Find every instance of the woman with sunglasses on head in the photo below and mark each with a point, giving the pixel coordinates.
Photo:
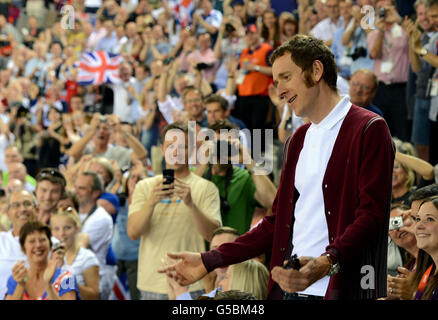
(425, 280)
(81, 262)
(43, 280)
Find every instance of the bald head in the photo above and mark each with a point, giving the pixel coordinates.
(17, 170)
(363, 86)
(14, 185)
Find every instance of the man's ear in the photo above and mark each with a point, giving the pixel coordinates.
(318, 70)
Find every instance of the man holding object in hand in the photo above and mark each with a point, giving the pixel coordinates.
(333, 200)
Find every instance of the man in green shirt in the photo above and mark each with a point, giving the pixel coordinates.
(240, 190)
(12, 155)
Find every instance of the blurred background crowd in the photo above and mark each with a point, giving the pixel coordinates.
(72, 142)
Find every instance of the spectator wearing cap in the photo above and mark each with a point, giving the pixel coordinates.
(252, 103)
(49, 190)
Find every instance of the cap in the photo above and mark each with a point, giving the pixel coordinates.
(111, 198)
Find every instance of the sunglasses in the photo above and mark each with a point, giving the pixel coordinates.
(50, 173)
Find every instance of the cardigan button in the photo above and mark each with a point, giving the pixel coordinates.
(328, 212)
(325, 186)
(282, 249)
(287, 226)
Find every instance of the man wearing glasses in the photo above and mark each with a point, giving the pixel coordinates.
(363, 86)
(21, 209)
(49, 190)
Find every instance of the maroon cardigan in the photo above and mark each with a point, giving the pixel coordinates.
(357, 192)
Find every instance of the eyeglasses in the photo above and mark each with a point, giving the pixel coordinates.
(362, 86)
(193, 100)
(26, 204)
(50, 173)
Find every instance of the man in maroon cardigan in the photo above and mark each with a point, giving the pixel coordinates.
(333, 200)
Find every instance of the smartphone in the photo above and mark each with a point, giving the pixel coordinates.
(382, 13)
(169, 175)
(293, 263)
(57, 246)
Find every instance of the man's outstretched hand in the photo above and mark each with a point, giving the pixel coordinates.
(188, 270)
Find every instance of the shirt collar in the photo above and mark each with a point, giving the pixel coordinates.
(337, 114)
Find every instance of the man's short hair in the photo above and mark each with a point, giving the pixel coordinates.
(176, 125)
(190, 89)
(77, 95)
(53, 175)
(425, 192)
(368, 72)
(97, 183)
(222, 125)
(70, 194)
(225, 230)
(219, 99)
(304, 50)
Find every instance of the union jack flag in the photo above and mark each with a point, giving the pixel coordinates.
(98, 67)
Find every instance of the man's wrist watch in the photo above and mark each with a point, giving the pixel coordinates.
(334, 268)
(422, 52)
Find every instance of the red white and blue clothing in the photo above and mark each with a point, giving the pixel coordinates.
(62, 282)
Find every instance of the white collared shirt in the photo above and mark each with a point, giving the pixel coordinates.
(325, 29)
(310, 230)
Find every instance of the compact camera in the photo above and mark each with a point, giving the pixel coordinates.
(395, 223)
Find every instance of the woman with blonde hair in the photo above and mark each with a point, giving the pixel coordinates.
(249, 276)
(82, 262)
(406, 165)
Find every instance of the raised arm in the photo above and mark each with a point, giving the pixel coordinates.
(424, 168)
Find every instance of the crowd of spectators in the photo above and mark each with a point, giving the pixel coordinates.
(87, 160)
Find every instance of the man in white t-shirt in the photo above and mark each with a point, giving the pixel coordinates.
(97, 225)
(21, 209)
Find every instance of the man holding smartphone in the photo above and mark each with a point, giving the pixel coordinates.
(168, 216)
